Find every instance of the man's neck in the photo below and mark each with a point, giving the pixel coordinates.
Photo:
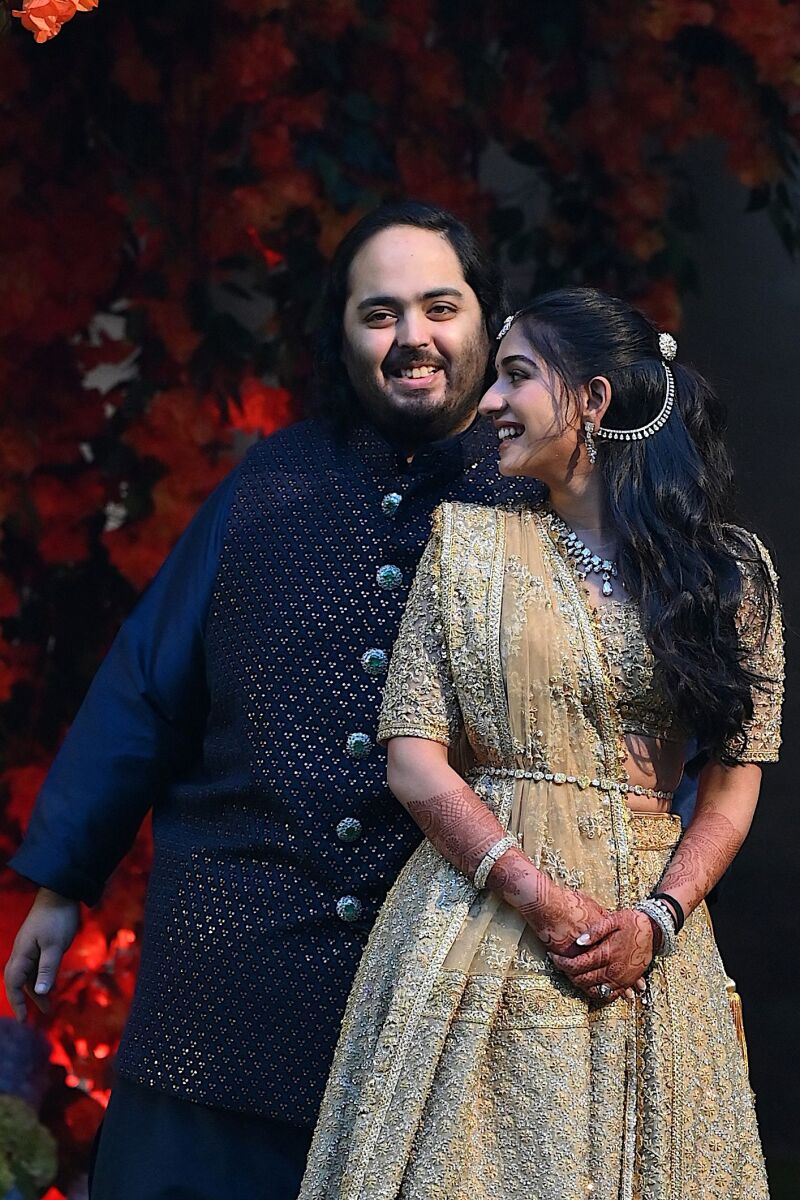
(409, 450)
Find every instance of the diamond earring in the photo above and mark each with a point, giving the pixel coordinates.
(588, 436)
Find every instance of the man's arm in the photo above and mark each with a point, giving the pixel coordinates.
(140, 724)
(141, 720)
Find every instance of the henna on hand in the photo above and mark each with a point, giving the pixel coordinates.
(459, 824)
(704, 853)
(556, 914)
(620, 951)
(462, 829)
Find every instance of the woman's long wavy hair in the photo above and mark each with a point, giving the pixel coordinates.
(669, 500)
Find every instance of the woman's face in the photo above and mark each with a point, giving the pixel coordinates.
(539, 426)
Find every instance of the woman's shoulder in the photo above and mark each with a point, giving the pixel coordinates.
(752, 555)
(455, 515)
(469, 513)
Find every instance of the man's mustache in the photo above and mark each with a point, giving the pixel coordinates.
(399, 361)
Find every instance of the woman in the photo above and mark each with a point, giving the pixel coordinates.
(541, 1010)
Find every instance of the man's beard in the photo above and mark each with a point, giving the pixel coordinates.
(418, 419)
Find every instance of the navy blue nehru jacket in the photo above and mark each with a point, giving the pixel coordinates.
(240, 702)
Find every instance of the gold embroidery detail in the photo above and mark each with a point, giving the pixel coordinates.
(466, 1064)
(761, 640)
(551, 861)
(512, 1079)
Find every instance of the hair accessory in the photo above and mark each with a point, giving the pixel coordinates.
(645, 431)
(588, 436)
(509, 321)
(490, 858)
(675, 905)
(668, 346)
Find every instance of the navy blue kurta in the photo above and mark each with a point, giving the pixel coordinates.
(240, 702)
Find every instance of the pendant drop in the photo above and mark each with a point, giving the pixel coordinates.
(607, 586)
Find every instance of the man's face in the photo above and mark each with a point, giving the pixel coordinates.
(414, 343)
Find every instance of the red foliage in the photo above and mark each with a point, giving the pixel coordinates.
(260, 409)
(23, 787)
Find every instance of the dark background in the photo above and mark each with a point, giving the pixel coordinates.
(742, 331)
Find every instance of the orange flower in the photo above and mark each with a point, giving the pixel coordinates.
(65, 510)
(44, 18)
(136, 552)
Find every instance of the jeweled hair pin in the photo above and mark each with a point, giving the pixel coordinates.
(509, 321)
(668, 348)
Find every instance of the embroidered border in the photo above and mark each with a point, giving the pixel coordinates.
(612, 744)
(676, 1131)
(493, 617)
(610, 730)
(354, 1186)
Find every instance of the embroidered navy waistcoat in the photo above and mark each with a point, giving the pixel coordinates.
(276, 838)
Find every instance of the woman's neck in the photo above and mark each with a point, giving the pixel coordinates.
(580, 504)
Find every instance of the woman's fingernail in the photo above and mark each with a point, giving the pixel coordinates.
(583, 940)
(41, 989)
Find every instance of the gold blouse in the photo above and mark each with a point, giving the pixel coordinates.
(420, 699)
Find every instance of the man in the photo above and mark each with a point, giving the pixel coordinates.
(240, 701)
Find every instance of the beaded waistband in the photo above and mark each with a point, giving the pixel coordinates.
(600, 783)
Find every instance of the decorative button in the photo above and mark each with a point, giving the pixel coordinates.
(349, 829)
(348, 908)
(390, 503)
(375, 662)
(359, 745)
(389, 578)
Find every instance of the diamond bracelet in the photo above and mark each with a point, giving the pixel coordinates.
(661, 914)
(490, 858)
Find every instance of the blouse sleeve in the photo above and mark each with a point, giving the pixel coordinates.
(419, 699)
(760, 632)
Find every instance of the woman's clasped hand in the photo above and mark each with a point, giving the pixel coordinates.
(615, 951)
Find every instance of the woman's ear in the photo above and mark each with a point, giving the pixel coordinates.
(596, 399)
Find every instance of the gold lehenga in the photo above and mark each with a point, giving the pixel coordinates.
(467, 1067)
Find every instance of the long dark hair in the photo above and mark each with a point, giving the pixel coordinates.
(334, 398)
(669, 499)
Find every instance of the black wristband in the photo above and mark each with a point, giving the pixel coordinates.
(677, 909)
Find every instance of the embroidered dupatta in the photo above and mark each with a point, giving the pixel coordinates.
(467, 1066)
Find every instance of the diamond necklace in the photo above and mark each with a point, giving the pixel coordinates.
(582, 558)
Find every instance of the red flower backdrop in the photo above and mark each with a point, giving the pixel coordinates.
(173, 176)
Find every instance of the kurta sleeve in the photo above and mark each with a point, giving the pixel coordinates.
(419, 699)
(141, 722)
(760, 630)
